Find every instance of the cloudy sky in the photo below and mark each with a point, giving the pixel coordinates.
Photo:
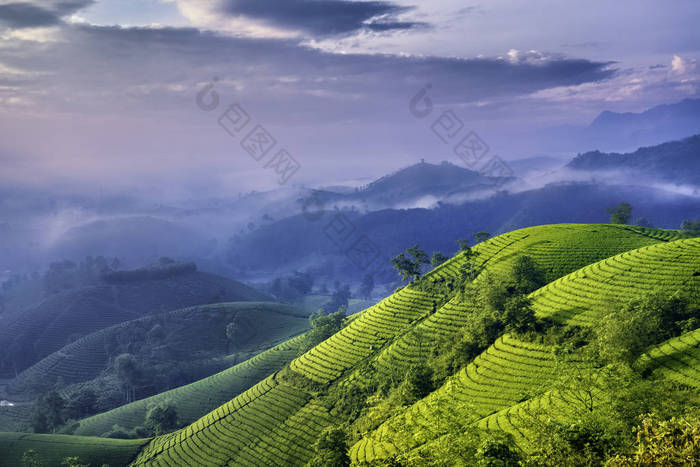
(105, 92)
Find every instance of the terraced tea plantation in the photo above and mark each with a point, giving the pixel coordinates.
(587, 294)
(500, 377)
(272, 409)
(198, 398)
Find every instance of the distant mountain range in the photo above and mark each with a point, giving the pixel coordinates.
(661, 123)
(418, 185)
(675, 162)
(297, 243)
(613, 131)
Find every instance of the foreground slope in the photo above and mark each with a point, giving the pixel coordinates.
(277, 420)
(505, 377)
(374, 330)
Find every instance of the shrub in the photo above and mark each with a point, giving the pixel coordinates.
(330, 449)
(162, 418)
(665, 442)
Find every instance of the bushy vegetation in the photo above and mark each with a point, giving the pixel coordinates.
(691, 226)
(620, 214)
(323, 326)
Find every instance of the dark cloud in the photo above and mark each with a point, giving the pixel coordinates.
(20, 15)
(26, 15)
(111, 61)
(322, 17)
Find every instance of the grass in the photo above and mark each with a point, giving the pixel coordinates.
(506, 373)
(51, 449)
(558, 250)
(271, 423)
(364, 335)
(584, 296)
(677, 359)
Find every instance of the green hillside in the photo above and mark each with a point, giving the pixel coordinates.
(583, 297)
(497, 380)
(198, 398)
(467, 356)
(557, 249)
(50, 449)
(179, 346)
(36, 332)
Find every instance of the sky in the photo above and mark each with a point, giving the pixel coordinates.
(146, 96)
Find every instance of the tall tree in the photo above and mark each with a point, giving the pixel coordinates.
(481, 236)
(620, 214)
(437, 259)
(409, 264)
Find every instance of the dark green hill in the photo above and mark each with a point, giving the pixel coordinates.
(171, 349)
(675, 162)
(28, 336)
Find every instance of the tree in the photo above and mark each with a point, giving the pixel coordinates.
(665, 442)
(692, 227)
(620, 214)
(437, 259)
(330, 449)
(409, 265)
(128, 371)
(339, 299)
(481, 236)
(31, 459)
(81, 403)
(527, 275)
(366, 287)
(48, 413)
(498, 451)
(162, 418)
(463, 244)
(323, 326)
(518, 315)
(623, 335)
(417, 384)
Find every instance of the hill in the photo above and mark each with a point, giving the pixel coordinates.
(34, 333)
(676, 162)
(196, 399)
(441, 362)
(335, 362)
(660, 123)
(188, 337)
(94, 451)
(511, 371)
(296, 243)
